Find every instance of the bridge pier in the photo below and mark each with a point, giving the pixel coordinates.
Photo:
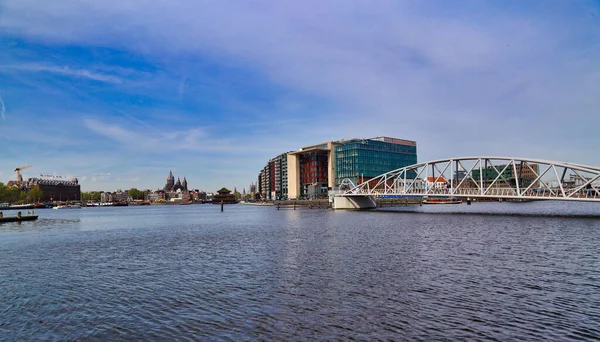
(355, 202)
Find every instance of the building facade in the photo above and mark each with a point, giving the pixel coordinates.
(56, 190)
(362, 159)
(313, 170)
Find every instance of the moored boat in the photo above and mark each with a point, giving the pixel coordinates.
(68, 206)
(442, 201)
(21, 206)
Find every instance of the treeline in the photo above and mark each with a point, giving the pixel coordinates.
(132, 193)
(15, 195)
(90, 196)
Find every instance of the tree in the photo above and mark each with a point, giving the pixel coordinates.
(136, 194)
(35, 194)
(11, 195)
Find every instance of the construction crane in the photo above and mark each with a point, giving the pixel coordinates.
(18, 173)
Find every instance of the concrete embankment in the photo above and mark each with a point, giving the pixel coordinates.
(324, 204)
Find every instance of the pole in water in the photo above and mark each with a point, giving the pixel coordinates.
(221, 205)
(294, 205)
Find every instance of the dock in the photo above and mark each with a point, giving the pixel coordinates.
(18, 218)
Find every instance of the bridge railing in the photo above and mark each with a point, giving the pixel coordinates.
(490, 193)
(488, 177)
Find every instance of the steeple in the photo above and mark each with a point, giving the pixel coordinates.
(185, 184)
(170, 181)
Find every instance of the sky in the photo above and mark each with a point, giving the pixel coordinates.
(119, 92)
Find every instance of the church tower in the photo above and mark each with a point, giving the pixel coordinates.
(170, 181)
(185, 188)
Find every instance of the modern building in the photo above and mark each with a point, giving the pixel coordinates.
(362, 159)
(272, 182)
(311, 170)
(315, 169)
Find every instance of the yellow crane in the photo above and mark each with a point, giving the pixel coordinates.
(18, 173)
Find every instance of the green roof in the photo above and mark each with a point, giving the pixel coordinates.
(224, 191)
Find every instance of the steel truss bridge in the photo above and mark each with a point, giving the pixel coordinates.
(484, 177)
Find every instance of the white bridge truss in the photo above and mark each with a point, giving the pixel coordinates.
(485, 177)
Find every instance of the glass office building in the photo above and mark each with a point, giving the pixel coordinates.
(363, 159)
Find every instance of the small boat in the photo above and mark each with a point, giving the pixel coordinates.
(442, 201)
(68, 206)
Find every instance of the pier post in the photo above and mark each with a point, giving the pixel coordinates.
(294, 205)
(221, 205)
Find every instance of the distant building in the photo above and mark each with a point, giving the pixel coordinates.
(525, 175)
(56, 190)
(224, 196)
(437, 182)
(175, 190)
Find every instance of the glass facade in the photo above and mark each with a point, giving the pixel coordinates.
(360, 160)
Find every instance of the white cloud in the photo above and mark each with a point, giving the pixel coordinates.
(2, 109)
(64, 70)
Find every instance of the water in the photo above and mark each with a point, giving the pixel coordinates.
(251, 273)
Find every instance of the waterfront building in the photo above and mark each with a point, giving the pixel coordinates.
(272, 182)
(55, 189)
(311, 170)
(224, 196)
(316, 169)
(362, 159)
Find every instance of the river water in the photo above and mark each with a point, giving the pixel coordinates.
(489, 271)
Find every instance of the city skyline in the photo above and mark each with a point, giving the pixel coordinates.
(117, 95)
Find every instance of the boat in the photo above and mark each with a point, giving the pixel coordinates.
(21, 206)
(18, 218)
(442, 201)
(68, 206)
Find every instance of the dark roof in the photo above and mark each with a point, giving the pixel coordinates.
(224, 191)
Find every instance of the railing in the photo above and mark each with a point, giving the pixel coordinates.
(486, 177)
(490, 193)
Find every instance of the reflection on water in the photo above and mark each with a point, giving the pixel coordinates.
(192, 272)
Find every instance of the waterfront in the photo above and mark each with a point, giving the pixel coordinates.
(192, 272)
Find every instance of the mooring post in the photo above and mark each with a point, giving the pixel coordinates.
(277, 205)
(221, 205)
(294, 205)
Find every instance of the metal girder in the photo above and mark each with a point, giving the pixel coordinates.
(505, 177)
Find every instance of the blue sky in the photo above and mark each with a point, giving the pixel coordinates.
(119, 92)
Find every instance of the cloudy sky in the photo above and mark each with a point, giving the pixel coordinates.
(117, 92)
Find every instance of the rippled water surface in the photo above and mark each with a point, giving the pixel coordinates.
(405, 273)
